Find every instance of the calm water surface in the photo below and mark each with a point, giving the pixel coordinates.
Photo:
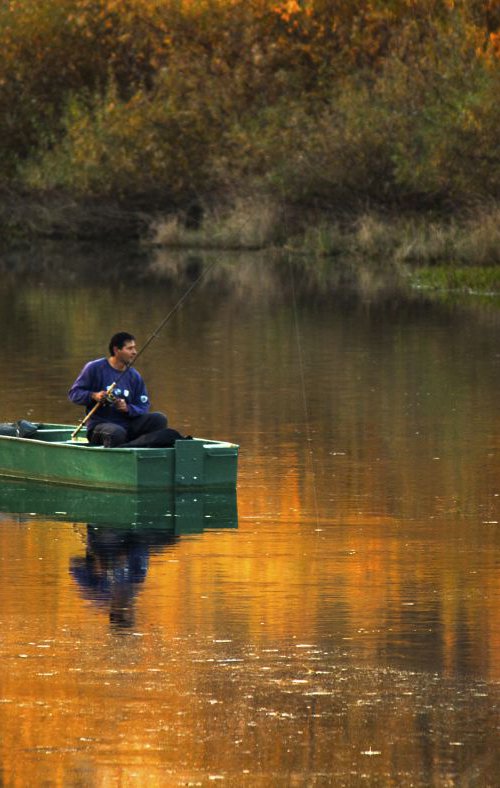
(335, 622)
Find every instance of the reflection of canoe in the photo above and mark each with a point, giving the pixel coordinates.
(51, 456)
(174, 510)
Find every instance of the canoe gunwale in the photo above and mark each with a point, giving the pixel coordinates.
(206, 442)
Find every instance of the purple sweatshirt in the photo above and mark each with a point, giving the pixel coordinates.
(98, 375)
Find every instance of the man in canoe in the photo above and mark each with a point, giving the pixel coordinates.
(123, 417)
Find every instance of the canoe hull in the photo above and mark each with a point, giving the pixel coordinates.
(51, 456)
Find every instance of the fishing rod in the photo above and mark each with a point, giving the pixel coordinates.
(109, 390)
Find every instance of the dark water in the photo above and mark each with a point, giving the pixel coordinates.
(334, 623)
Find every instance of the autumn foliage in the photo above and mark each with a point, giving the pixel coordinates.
(322, 103)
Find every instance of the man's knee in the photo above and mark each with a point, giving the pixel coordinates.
(108, 435)
(158, 421)
(114, 438)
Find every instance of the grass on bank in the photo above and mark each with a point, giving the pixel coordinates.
(443, 256)
(249, 224)
(417, 240)
(468, 279)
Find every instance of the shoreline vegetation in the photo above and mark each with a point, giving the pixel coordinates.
(316, 128)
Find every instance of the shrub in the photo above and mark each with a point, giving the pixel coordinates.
(321, 103)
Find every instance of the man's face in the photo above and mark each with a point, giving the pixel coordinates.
(127, 353)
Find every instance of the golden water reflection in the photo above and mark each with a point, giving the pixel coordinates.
(284, 651)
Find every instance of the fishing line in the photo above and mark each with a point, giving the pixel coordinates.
(167, 318)
(146, 344)
(305, 404)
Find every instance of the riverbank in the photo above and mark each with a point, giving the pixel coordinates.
(449, 258)
(439, 253)
(416, 239)
(471, 239)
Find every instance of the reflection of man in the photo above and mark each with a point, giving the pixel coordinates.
(114, 567)
(123, 417)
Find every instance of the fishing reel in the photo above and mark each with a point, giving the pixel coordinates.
(110, 398)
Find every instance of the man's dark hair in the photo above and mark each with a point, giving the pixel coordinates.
(118, 340)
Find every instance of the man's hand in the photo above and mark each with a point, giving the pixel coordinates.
(121, 405)
(98, 396)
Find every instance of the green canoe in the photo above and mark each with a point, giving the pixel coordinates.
(51, 456)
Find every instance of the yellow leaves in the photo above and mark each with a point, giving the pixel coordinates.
(229, 58)
(494, 44)
(292, 13)
(287, 8)
(489, 53)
